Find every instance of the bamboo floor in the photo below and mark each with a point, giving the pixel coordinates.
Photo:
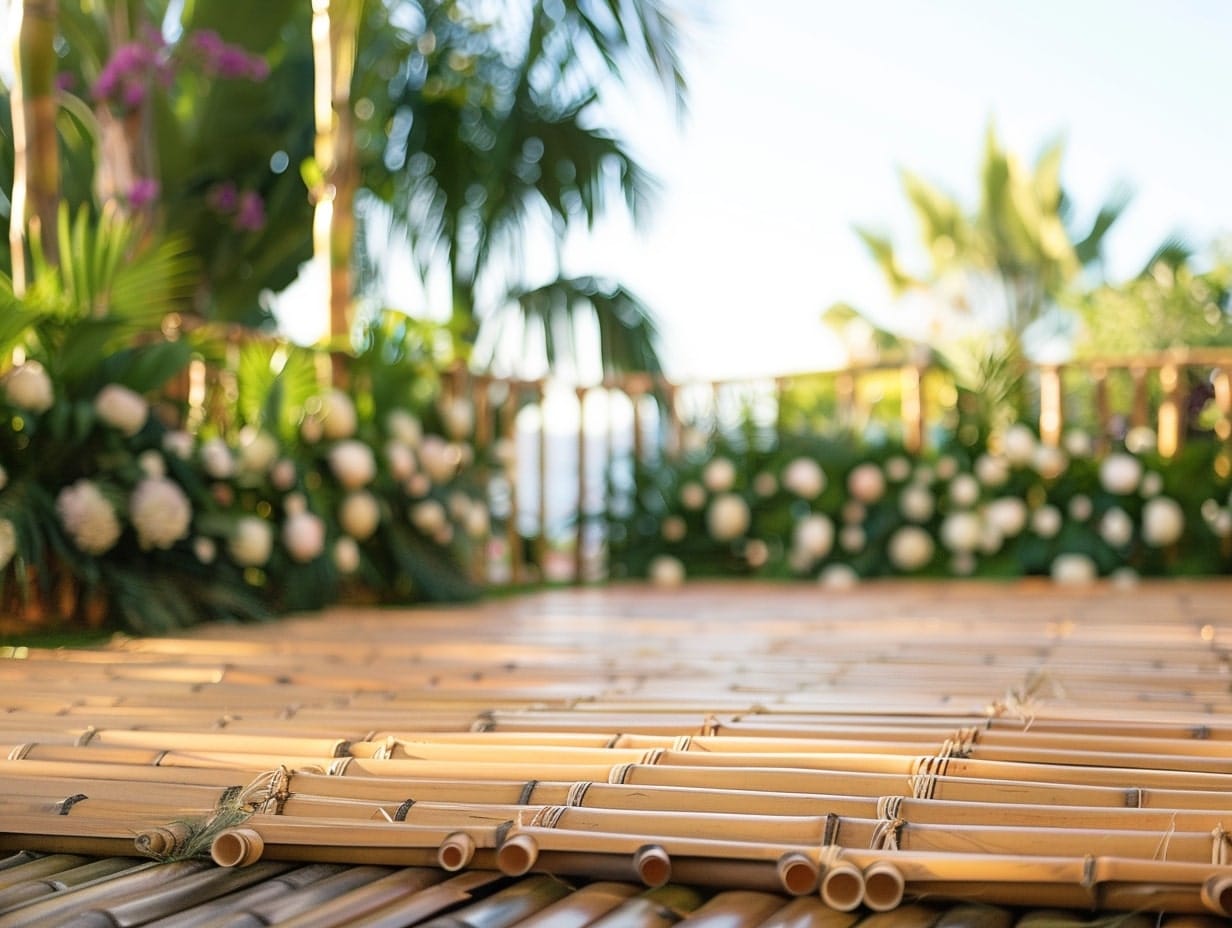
(899, 755)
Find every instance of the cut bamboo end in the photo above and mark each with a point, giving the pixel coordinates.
(653, 866)
(797, 874)
(456, 851)
(1216, 894)
(162, 841)
(884, 886)
(842, 887)
(517, 855)
(238, 847)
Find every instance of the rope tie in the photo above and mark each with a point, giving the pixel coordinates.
(528, 790)
(386, 750)
(652, 757)
(682, 743)
(547, 817)
(20, 751)
(1133, 797)
(619, 772)
(1219, 846)
(888, 807)
(830, 855)
(710, 727)
(577, 793)
(923, 780)
(964, 741)
(85, 737)
(886, 834)
(338, 767)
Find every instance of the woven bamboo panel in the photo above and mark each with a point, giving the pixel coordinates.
(894, 755)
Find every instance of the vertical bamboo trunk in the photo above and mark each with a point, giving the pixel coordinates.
(36, 155)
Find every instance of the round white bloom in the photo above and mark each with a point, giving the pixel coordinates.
(813, 536)
(87, 517)
(916, 503)
(839, 577)
(179, 444)
(311, 430)
(1073, 570)
(1120, 473)
(991, 538)
(1046, 521)
(947, 467)
(478, 522)
(1049, 462)
(910, 549)
(728, 517)
(400, 458)
(282, 474)
(404, 427)
(1221, 525)
(1140, 439)
(992, 470)
(121, 408)
(765, 484)
(8, 542)
(251, 541)
(1018, 445)
(693, 440)
(360, 514)
(338, 418)
(1163, 521)
(1209, 510)
(673, 528)
(961, 531)
(204, 549)
(295, 503)
(1116, 527)
(1008, 514)
(429, 517)
(151, 462)
(440, 459)
(346, 555)
(419, 485)
(303, 535)
(458, 417)
(1080, 507)
(1078, 443)
(964, 491)
(505, 452)
(217, 460)
(1152, 484)
(851, 539)
(692, 495)
(353, 463)
(719, 475)
(29, 387)
(756, 552)
(459, 505)
(898, 468)
(160, 512)
(866, 482)
(1124, 578)
(804, 477)
(853, 512)
(666, 571)
(257, 452)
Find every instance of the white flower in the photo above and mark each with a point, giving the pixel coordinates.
(295, 503)
(303, 535)
(866, 482)
(719, 475)
(804, 477)
(459, 505)
(1049, 462)
(478, 522)
(1073, 570)
(121, 408)
(1140, 439)
(852, 512)
(1163, 521)
(1116, 527)
(8, 542)
(961, 531)
(916, 503)
(898, 468)
(1152, 484)
(311, 430)
(666, 571)
(728, 517)
(851, 538)
(346, 555)
(359, 515)
(1008, 514)
(353, 463)
(947, 467)
(692, 495)
(429, 517)
(839, 577)
(756, 552)
(282, 474)
(87, 517)
(179, 443)
(990, 538)
(152, 463)
(1078, 443)
(28, 387)
(1080, 507)
(992, 470)
(404, 427)
(257, 452)
(813, 536)
(217, 460)
(419, 485)
(1120, 473)
(458, 417)
(204, 549)
(1221, 525)
(964, 491)
(693, 440)
(251, 542)
(765, 484)
(160, 512)
(1046, 521)
(910, 548)
(1018, 445)
(400, 459)
(338, 418)
(673, 528)
(439, 458)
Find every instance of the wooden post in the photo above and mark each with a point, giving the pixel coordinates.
(1170, 431)
(513, 536)
(580, 529)
(1050, 417)
(1099, 374)
(912, 408)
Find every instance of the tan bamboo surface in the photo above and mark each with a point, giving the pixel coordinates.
(723, 756)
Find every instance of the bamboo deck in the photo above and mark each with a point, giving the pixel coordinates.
(724, 756)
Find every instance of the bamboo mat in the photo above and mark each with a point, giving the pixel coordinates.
(900, 754)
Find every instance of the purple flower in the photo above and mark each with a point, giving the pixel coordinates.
(143, 192)
(65, 80)
(223, 197)
(208, 42)
(133, 95)
(251, 214)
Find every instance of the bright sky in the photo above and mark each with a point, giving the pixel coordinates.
(803, 111)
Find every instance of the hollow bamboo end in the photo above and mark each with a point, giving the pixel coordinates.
(883, 886)
(161, 841)
(1216, 894)
(517, 855)
(455, 851)
(238, 847)
(653, 866)
(797, 874)
(842, 887)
